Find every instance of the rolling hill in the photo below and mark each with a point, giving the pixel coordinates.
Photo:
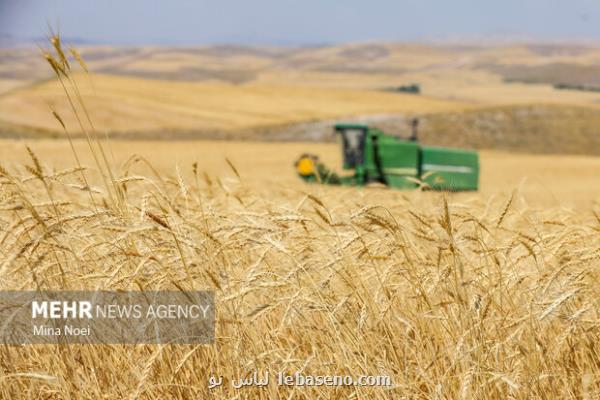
(125, 104)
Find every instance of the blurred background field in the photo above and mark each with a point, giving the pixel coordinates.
(519, 97)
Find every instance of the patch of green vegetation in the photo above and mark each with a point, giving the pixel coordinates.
(582, 88)
(413, 88)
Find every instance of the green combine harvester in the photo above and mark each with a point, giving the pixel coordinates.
(399, 163)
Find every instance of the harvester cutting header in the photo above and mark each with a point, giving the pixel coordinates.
(399, 163)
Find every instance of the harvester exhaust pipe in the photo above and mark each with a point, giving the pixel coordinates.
(414, 136)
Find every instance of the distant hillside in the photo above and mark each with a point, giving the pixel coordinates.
(521, 128)
(525, 128)
(528, 62)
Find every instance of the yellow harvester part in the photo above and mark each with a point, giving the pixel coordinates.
(305, 166)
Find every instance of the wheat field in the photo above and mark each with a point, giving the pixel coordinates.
(451, 295)
(481, 295)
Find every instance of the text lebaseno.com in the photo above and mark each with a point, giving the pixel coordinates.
(298, 379)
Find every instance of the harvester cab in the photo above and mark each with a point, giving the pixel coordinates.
(353, 139)
(396, 162)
